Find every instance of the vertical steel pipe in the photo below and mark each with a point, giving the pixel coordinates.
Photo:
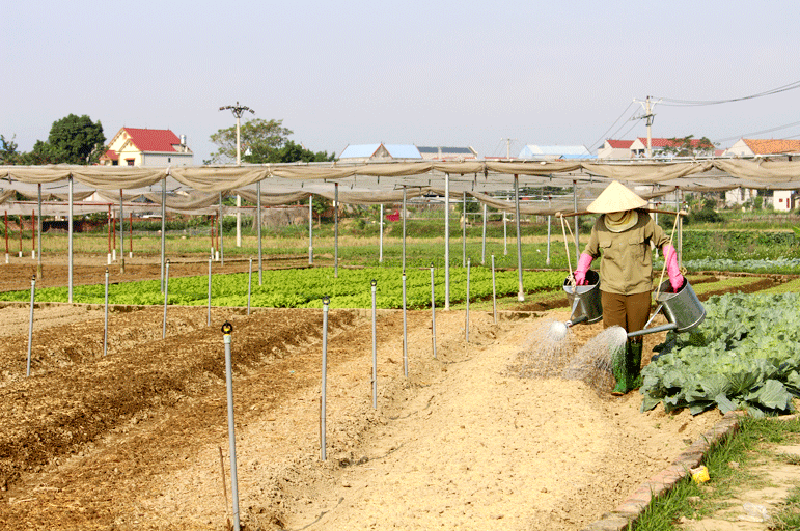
(105, 327)
(577, 218)
(39, 230)
(494, 292)
(380, 228)
(209, 291)
(405, 197)
(433, 311)
(466, 324)
(166, 297)
(258, 227)
(446, 241)
(324, 400)
(30, 324)
(374, 287)
(505, 236)
(483, 239)
(336, 230)
(164, 229)
(121, 236)
(549, 219)
(221, 243)
(521, 292)
(405, 328)
(226, 335)
(249, 285)
(310, 230)
(70, 234)
(464, 231)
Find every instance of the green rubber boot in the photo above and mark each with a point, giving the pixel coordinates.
(635, 364)
(619, 368)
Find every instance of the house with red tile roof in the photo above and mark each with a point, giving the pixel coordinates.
(666, 147)
(615, 149)
(751, 147)
(147, 147)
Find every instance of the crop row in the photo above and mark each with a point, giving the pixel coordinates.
(305, 288)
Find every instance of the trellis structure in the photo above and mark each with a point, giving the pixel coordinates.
(200, 190)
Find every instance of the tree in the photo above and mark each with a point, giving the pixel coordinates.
(73, 140)
(689, 146)
(260, 136)
(8, 151)
(292, 152)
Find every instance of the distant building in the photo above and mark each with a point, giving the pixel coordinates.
(554, 152)
(783, 200)
(379, 152)
(147, 147)
(615, 149)
(447, 153)
(665, 148)
(750, 147)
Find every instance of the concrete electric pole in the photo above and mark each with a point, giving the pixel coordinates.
(237, 111)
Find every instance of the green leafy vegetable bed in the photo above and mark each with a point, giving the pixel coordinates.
(304, 288)
(745, 355)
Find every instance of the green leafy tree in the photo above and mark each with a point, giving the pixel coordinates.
(8, 151)
(261, 137)
(293, 152)
(689, 146)
(73, 140)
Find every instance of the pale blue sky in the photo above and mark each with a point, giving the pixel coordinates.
(429, 73)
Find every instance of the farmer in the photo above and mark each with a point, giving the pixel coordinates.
(624, 236)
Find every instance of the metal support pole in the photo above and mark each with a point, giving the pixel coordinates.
(405, 328)
(39, 230)
(405, 197)
(549, 219)
(466, 324)
(238, 220)
(433, 311)
(221, 221)
(249, 285)
(258, 227)
(30, 324)
(105, 328)
(680, 226)
(464, 230)
(483, 239)
(324, 400)
(70, 233)
(446, 241)
(209, 290)
(577, 218)
(336, 230)
(121, 236)
(226, 335)
(164, 228)
(505, 237)
(374, 287)
(494, 292)
(310, 231)
(166, 297)
(380, 227)
(521, 292)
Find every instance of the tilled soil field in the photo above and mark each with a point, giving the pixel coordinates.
(137, 439)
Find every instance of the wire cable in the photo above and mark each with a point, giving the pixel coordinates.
(699, 103)
(603, 136)
(778, 128)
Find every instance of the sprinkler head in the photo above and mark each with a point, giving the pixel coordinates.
(227, 328)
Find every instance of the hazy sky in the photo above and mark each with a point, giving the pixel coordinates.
(428, 73)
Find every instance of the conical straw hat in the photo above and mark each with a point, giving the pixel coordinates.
(615, 198)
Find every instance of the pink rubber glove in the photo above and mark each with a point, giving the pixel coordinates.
(673, 270)
(583, 266)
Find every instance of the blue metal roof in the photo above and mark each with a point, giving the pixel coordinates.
(565, 152)
(359, 151)
(403, 151)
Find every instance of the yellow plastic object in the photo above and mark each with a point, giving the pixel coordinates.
(700, 474)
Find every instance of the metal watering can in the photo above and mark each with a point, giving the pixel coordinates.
(682, 309)
(587, 306)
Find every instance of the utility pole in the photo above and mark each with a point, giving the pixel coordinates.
(648, 105)
(237, 111)
(508, 147)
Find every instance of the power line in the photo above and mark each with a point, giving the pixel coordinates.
(603, 136)
(778, 128)
(699, 103)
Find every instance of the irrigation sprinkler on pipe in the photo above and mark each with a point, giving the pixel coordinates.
(323, 400)
(405, 328)
(166, 296)
(226, 336)
(374, 288)
(105, 327)
(249, 285)
(433, 311)
(30, 324)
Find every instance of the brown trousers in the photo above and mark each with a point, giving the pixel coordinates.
(628, 311)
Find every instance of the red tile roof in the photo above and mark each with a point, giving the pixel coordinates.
(110, 155)
(761, 146)
(624, 144)
(667, 142)
(153, 139)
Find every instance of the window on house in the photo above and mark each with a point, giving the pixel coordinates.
(130, 161)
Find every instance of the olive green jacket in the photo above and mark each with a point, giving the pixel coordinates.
(627, 257)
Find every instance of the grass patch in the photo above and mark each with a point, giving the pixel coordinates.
(692, 501)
